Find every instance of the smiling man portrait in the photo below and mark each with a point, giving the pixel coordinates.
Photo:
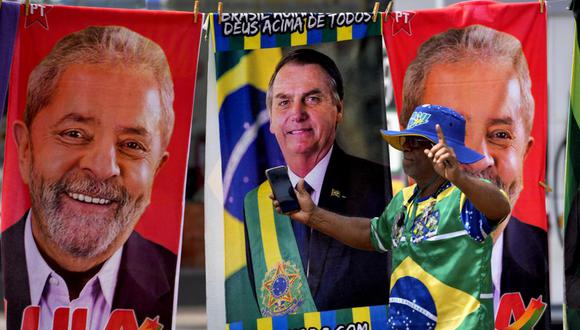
(305, 103)
(483, 74)
(98, 119)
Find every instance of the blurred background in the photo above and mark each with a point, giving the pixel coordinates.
(192, 289)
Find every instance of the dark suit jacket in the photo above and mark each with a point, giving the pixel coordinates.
(525, 264)
(341, 276)
(144, 283)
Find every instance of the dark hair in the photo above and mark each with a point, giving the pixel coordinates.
(309, 56)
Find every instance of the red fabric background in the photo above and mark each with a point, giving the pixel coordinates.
(522, 20)
(179, 37)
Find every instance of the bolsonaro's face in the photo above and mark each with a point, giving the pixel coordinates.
(303, 114)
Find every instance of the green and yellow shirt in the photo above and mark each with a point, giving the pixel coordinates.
(441, 251)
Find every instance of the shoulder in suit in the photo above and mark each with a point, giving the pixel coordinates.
(145, 282)
(525, 264)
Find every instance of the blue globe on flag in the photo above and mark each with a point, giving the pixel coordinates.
(411, 305)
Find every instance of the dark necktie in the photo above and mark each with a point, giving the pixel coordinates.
(302, 234)
(308, 188)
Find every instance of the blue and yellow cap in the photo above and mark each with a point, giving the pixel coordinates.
(422, 123)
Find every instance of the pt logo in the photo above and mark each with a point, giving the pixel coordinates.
(513, 315)
(402, 21)
(37, 14)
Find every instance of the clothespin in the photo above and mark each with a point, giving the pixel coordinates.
(545, 186)
(27, 7)
(220, 7)
(375, 11)
(389, 9)
(195, 10)
(542, 4)
(205, 26)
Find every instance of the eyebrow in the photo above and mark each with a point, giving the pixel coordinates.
(75, 117)
(137, 130)
(500, 121)
(308, 93)
(507, 120)
(78, 118)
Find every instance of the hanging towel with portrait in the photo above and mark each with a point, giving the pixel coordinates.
(98, 122)
(278, 273)
(487, 61)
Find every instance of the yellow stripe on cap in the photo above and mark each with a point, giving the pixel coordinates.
(395, 140)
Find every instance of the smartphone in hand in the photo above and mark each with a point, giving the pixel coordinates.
(282, 188)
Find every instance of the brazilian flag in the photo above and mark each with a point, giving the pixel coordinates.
(247, 148)
(572, 195)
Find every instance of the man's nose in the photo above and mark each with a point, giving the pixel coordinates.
(298, 111)
(101, 160)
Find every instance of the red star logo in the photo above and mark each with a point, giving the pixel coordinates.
(38, 14)
(151, 324)
(402, 21)
(280, 275)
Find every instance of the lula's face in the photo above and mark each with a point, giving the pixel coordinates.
(489, 97)
(93, 154)
(303, 113)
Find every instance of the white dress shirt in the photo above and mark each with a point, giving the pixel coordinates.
(496, 268)
(49, 291)
(315, 177)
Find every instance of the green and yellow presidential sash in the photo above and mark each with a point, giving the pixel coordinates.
(280, 281)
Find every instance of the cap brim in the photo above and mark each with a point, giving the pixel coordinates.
(466, 155)
(393, 137)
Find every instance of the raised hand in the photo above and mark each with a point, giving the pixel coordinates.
(443, 157)
(307, 206)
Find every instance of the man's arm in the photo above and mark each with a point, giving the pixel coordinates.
(485, 196)
(352, 231)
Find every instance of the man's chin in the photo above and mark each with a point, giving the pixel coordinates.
(84, 247)
(81, 236)
(76, 264)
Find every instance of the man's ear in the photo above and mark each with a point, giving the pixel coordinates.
(270, 120)
(528, 146)
(162, 162)
(340, 113)
(24, 148)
